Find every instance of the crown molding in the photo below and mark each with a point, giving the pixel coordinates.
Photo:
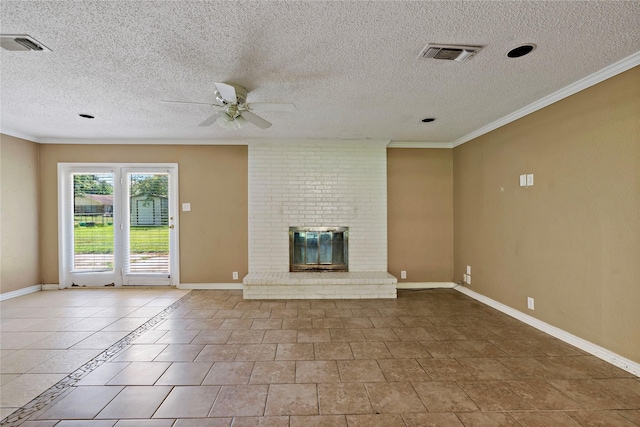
(407, 144)
(143, 141)
(11, 132)
(327, 141)
(591, 80)
(168, 141)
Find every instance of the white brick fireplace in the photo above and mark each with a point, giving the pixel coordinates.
(318, 184)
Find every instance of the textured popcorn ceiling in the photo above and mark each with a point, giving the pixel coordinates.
(351, 68)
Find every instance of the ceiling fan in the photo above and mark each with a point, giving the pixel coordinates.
(235, 111)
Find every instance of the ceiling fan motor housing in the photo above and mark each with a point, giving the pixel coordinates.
(232, 111)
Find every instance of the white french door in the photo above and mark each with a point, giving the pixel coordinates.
(118, 224)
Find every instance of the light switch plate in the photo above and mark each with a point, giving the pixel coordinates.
(468, 269)
(523, 180)
(530, 303)
(186, 207)
(529, 180)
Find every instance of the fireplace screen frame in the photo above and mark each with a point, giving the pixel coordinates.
(318, 249)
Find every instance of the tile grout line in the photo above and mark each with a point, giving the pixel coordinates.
(52, 393)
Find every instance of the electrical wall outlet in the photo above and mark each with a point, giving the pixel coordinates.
(530, 303)
(529, 180)
(186, 207)
(468, 279)
(468, 269)
(403, 274)
(235, 275)
(465, 278)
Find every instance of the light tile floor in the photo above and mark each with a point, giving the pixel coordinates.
(45, 336)
(429, 358)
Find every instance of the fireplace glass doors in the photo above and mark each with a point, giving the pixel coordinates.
(318, 248)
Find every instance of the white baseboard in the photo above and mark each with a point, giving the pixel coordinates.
(591, 348)
(425, 285)
(218, 286)
(51, 287)
(20, 292)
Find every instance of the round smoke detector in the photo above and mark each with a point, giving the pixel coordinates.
(521, 50)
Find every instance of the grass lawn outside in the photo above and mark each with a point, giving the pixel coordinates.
(99, 239)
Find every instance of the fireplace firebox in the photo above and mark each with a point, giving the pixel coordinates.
(318, 249)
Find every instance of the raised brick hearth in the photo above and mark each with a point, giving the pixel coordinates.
(354, 285)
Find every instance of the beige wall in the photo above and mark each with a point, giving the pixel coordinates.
(572, 241)
(19, 250)
(213, 235)
(420, 214)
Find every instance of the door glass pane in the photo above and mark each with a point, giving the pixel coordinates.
(93, 235)
(338, 248)
(312, 247)
(325, 248)
(298, 248)
(148, 223)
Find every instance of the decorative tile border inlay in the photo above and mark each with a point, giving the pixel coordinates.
(47, 397)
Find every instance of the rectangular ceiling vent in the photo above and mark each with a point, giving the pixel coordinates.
(449, 52)
(21, 42)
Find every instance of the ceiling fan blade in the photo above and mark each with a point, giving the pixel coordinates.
(227, 92)
(192, 103)
(272, 106)
(256, 120)
(211, 120)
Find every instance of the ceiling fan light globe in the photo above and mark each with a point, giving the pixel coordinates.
(225, 122)
(240, 121)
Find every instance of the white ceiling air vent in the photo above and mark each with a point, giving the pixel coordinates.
(21, 42)
(449, 52)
